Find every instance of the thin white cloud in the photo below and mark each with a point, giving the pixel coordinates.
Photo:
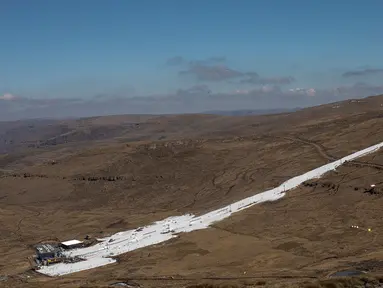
(311, 92)
(8, 97)
(303, 91)
(195, 99)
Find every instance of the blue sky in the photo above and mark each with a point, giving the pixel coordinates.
(82, 48)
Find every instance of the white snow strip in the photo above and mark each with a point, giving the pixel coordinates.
(57, 269)
(160, 231)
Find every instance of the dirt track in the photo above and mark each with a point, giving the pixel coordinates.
(322, 151)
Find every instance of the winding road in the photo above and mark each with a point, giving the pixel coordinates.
(323, 153)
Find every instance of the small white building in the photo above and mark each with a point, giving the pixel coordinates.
(71, 244)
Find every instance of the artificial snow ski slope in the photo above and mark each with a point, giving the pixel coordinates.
(122, 242)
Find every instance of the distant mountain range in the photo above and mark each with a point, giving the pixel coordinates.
(250, 112)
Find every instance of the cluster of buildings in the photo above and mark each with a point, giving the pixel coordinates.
(49, 253)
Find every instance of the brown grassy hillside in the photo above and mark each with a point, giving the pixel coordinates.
(106, 174)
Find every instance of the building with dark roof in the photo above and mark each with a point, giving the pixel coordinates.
(46, 251)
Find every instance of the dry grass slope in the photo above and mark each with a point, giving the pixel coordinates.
(108, 174)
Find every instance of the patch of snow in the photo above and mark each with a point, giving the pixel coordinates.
(161, 231)
(64, 268)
